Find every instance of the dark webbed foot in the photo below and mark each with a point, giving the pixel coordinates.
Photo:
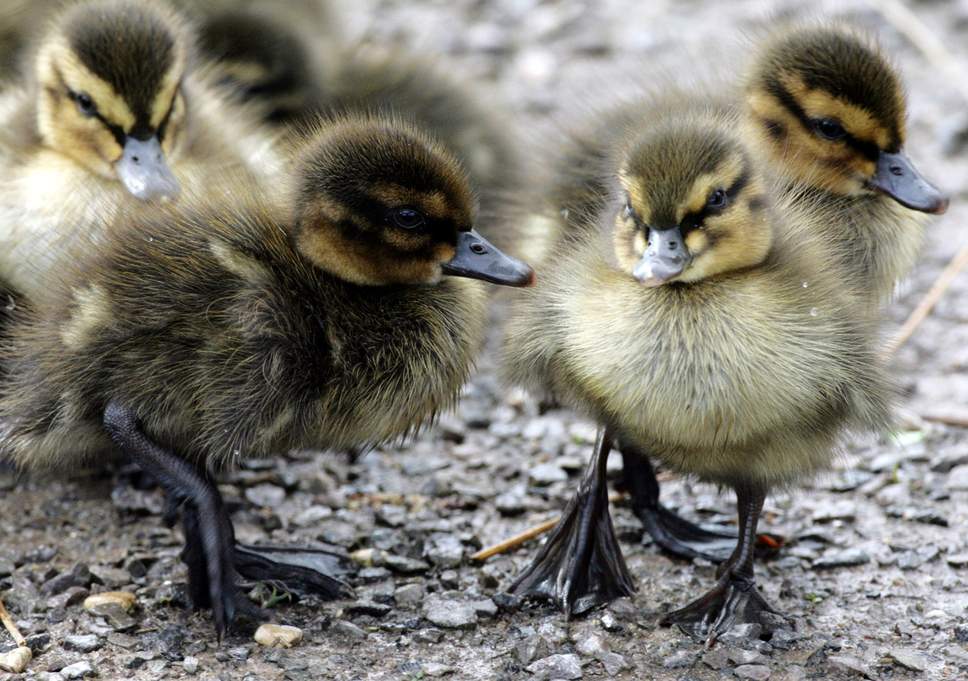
(671, 532)
(213, 558)
(301, 571)
(581, 565)
(734, 599)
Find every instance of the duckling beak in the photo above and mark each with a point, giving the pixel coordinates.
(897, 177)
(477, 258)
(665, 258)
(144, 171)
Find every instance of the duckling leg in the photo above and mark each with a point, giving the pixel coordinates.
(581, 565)
(734, 599)
(209, 537)
(670, 532)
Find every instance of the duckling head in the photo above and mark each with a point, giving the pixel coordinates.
(831, 110)
(695, 206)
(378, 203)
(109, 77)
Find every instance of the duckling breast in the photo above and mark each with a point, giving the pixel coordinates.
(736, 374)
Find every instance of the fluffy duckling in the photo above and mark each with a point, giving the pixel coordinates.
(829, 111)
(269, 59)
(197, 334)
(681, 322)
(112, 112)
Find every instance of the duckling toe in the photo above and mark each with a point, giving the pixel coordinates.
(732, 601)
(300, 571)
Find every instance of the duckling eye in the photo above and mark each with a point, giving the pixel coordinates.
(406, 218)
(84, 103)
(717, 200)
(829, 129)
(627, 211)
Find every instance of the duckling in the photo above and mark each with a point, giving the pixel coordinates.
(268, 58)
(829, 112)
(113, 112)
(681, 324)
(229, 326)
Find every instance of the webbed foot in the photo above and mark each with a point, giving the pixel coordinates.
(581, 565)
(732, 601)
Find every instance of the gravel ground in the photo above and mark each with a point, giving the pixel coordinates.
(874, 577)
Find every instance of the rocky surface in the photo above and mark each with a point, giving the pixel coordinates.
(874, 580)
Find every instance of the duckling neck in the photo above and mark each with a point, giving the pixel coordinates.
(877, 239)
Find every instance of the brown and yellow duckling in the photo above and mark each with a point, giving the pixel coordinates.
(197, 334)
(111, 113)
(271, 59)
(830, 113)
(681, 323)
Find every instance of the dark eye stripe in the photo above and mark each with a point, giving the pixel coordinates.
(867, 149)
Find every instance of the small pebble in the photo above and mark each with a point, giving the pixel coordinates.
(278, 635)
(546, 474)
(84, 643)
(556, 667)
(190, 664)
(102, 603)
(450, 614)
(409, 595)
(909, 659)
(348, 629)
(78, 670)
(756, 672)
(15, 661)
(839, 559)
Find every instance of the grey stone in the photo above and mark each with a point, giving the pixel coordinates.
(680, 658)
(717, 659)
(592, 646)
(567, 666)
(739, 656)
(409, 595)
(844, 558)
(348, 629)
(78, 670)
(531, 649)
(190, 664)
(84, 643)
(756, 672)
(266, 495)
(368, 608)
(613, 663)
(449, 614)
(547, 473)
(404, 565)
(946, 461)
(842, 510)
(849, 664)
(444, 550)
(958, 478)
(485, 607)
(909, 659)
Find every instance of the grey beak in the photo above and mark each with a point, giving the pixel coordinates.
(477, 258)
(665, 258)
(144, 171)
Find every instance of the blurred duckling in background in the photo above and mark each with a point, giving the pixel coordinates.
(830, 113)
(681, 323)
(112, 112)
(272, 58)
(223, 327)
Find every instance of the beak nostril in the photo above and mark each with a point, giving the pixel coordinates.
(673, 245)
(897, 170)
(478, 248)
(136, 159)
